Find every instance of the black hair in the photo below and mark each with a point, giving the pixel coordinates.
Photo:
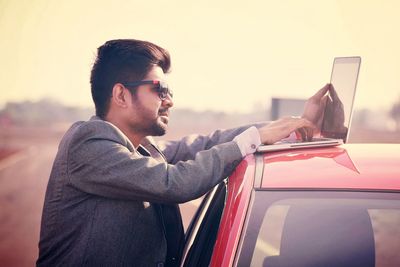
(123, 60)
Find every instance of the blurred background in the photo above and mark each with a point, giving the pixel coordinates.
(229, 60)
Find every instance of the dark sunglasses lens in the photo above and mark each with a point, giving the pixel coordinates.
(163, 91)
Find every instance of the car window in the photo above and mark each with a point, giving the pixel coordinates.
(330, 229)
(202, 232)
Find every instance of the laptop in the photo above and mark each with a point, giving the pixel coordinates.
(336, 122)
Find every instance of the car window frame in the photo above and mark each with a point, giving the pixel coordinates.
(201, 217)
(281, 194)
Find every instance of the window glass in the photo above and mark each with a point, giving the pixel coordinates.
(385, 223)
(203, 233)
(324, 232)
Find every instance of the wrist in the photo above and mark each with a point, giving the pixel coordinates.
(248, 141)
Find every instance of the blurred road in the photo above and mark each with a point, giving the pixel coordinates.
(23, 181)
(23, 178)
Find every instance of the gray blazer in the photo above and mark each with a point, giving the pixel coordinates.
(100, 204)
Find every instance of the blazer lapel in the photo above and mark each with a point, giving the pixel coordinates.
(170, 215)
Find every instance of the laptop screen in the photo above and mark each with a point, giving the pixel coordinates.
(339, 105)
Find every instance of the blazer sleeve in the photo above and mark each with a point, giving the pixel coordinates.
(100, 162)
(187, 147)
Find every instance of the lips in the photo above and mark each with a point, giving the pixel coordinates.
(164, 115)
(164, 112)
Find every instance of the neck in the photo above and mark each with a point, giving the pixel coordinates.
(135, 137)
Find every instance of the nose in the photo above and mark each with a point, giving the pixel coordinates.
(168, 102)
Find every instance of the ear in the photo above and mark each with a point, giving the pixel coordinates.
(119, 95)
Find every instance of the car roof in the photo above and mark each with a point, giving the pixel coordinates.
(350, 166)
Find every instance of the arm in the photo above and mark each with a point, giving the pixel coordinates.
(101, 164)
(187, 147)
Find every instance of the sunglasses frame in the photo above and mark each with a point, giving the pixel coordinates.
(161, 88)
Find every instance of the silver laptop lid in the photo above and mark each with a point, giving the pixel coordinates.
(339, 106)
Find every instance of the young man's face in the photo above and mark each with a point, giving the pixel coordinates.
(150, 112)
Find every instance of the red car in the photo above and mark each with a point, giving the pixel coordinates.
(337, 206)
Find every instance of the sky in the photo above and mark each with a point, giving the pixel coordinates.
(227, 55)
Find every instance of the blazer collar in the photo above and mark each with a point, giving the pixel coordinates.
(129, 144)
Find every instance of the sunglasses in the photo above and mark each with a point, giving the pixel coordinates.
(160, 87)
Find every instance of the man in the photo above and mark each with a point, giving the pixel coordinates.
(112, 193)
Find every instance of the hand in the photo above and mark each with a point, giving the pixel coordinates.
(315, 106)
(282, 128)
(334, 113)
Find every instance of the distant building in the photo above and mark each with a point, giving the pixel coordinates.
(281, 107)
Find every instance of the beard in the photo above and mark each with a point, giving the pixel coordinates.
(149, 123)
(158, 128)
(154, 127)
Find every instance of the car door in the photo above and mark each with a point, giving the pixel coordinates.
(202, 232)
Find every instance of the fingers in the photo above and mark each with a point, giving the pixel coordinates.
(333, 93)
(323, 100)
(321, 92)
(305, 129)
(310, 134)
(302, 122)
(302, 132)
(305, 133)
(281, 128)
